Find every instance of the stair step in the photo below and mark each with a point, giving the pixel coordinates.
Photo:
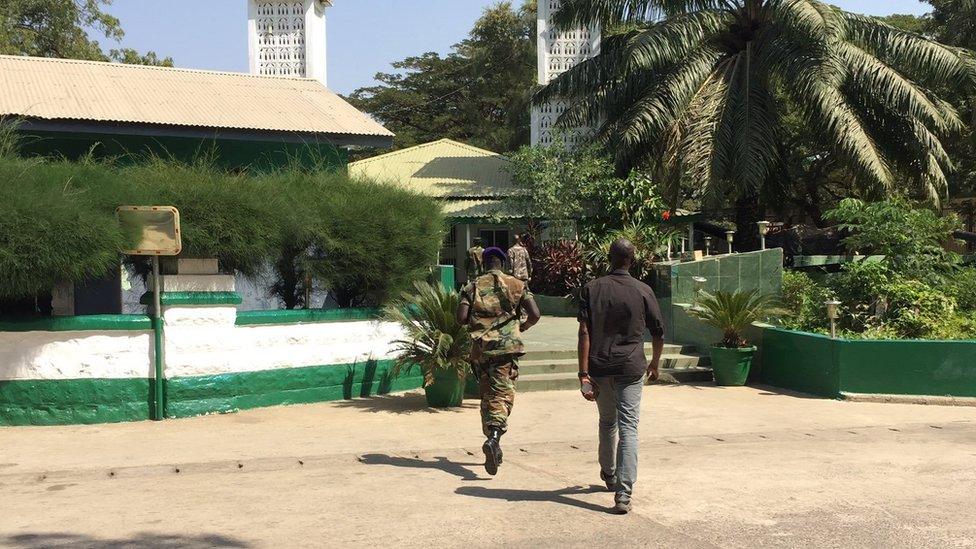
(669, 348)
(564, 381)
(571, 365)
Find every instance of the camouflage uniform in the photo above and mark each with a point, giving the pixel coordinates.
(519, 259)
(473, 263)
(496, 300)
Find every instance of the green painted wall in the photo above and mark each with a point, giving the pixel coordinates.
(227, 154)
(193, 396)
(65, 402)
(800, 362)
(816, 364)
(937, 368)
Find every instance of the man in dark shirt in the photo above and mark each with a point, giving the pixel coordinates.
(614, 312)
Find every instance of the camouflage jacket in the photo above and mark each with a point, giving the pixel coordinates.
(473, 263)
(496, 300)
(518, 258)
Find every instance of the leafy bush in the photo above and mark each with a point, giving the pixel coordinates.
(804, 298)
(558, 268)
(650, 245)
(963, 288)
(910, 238)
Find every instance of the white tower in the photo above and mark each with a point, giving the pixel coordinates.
(287, 38)
(559, 51)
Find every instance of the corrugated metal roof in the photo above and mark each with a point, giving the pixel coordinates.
(441, 169)
(64, 89)
(479, 209)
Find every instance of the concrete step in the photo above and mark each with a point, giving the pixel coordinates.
(669, 348)
(569, 381)
(673, 361)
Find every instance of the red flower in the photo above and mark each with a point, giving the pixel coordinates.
(666, 215)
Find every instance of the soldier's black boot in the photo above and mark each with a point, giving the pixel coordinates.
(493, 450)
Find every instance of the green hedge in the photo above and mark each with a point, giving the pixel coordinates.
(369, 241)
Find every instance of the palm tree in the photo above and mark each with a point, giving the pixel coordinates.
(701, 89)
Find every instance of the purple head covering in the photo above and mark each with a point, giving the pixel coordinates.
(494, 251)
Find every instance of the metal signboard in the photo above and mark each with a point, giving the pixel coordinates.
(155, 230)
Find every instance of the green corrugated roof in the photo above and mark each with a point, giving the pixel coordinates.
(441, 169)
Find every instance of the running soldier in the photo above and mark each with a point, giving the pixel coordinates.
(491, 307)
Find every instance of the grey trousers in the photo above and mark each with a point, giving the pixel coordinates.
(619, 402)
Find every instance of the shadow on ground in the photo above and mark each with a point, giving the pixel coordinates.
(554, 496)
(403, 403)
(139, 541)
(441, 463)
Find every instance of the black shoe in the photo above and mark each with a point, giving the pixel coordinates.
(622, 507)
(493, 451)
(610, 480)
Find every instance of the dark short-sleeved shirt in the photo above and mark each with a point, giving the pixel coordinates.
(617, 308)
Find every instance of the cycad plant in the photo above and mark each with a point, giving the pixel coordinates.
(650, 245)
(434, 340)
(733, 312)
(702, 89)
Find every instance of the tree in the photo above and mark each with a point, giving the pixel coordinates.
(479, 93)
(57, 28)
(700, 90)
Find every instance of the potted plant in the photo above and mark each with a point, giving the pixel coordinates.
(433, 340)
(732, 313)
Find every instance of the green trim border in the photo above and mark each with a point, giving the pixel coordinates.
(194, 298)
(224, 393)
(74, 401)
(303, 316)
(84, 323)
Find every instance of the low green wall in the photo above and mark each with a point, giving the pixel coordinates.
(193, 396)
(74, 401)
(816, 364)
(556, 306)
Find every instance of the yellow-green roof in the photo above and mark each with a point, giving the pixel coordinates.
(441, 169)
(479, 209)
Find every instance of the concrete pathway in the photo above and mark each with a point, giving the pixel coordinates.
(726, 467)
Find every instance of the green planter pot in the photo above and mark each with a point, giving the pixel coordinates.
(447, 390)
(731, 366)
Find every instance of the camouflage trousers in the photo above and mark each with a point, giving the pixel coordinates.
(496, 376)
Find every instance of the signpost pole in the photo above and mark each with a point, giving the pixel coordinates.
(158, 336)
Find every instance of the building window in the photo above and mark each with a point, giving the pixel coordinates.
(500, 238)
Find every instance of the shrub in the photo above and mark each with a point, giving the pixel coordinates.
(963, 288)
(910, 238)
(558, 268)
(51, 229)
(374, 240)
(232, 218)
(804, 298)
(650, 245)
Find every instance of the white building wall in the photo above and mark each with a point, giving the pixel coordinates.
(559, 51)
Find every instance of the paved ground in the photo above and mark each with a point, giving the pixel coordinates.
(743, 467)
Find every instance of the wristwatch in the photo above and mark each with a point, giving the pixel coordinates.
(583, 374)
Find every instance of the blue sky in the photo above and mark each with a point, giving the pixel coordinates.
(365, 36)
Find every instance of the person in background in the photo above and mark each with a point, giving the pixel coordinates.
(615, 310)
(520, 264)
(491, 306)
(474, 262)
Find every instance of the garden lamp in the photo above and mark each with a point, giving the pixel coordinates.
(708, 245)
(833, 313)
(763, 231)
(729, 237)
